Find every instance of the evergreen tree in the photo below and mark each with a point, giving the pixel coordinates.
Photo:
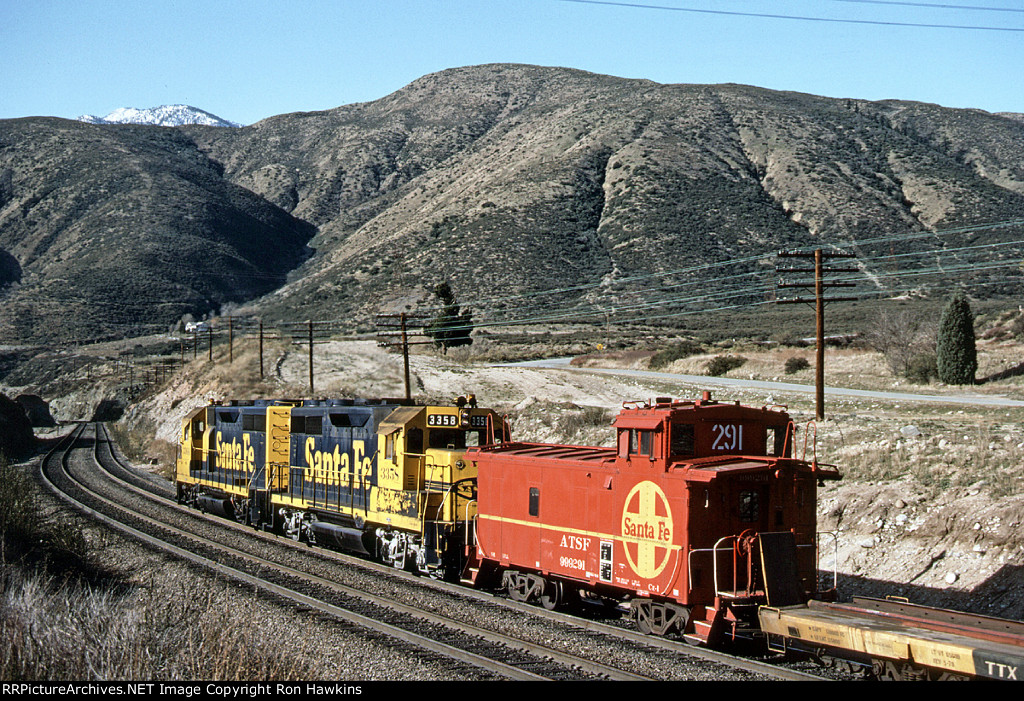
(451, 327)
(956, 355)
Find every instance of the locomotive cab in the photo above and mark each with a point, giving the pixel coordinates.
(426, 487)
(190, 455)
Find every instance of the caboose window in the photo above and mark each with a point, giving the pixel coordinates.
(646, 442)
(749, 508)
(775, 441)
(640, 442)
(682, 439)
(534, 501)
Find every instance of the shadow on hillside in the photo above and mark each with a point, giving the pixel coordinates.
(1001, 595)
(1015, 371)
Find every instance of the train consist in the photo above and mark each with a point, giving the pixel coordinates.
(700, 519)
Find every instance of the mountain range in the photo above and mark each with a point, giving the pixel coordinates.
(528, 189)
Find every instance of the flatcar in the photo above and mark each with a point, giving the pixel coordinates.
(698, 516)
(899, 641)
(378, 477)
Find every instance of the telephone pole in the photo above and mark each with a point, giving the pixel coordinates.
(819, 284)
(393, 330)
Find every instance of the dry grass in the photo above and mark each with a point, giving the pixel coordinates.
(939, 446)
(52, 630)
(63, 616)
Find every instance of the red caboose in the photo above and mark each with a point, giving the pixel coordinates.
(697, 516)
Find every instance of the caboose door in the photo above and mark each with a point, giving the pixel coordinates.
(748, 499)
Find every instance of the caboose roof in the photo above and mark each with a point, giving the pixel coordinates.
(650, 417)
(550, 451)
(738, 466)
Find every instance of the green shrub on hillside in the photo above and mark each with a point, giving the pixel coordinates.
(957, 356)
(796, 364)
(721, 364)
(677, 351)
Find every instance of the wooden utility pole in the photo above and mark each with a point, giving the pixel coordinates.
(405, 358)
(261, 350)
(819, 284)
(387, 332)
(310, 357)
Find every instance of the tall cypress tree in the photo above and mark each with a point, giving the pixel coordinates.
(956, 355)
(451, 327)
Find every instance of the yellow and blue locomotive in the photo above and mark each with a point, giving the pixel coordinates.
(378, 477)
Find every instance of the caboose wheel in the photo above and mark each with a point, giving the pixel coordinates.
(523, 587)
(655, 618)
(517, 586)
(553, 596)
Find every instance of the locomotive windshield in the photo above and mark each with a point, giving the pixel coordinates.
(455, 439)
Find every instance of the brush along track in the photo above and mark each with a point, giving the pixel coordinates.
(426, 615)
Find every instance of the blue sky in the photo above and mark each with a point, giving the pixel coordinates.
(245, 61)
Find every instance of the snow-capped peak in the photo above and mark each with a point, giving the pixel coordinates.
(164, 116)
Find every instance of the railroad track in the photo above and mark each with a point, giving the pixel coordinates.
(428, 617)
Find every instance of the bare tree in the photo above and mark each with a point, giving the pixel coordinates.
(900, 336)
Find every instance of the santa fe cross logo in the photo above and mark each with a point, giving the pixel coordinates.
(647, 529)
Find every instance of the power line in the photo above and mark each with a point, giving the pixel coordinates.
(801, 18)
(935, 5)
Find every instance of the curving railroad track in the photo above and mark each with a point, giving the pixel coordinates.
(479, 635)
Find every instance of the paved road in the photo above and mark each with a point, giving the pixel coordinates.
(704, 380)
